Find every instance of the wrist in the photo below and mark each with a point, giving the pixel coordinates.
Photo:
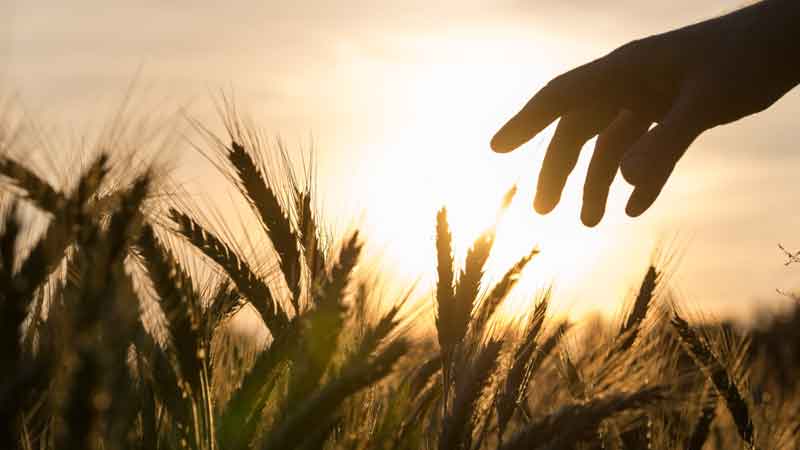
(776, 33)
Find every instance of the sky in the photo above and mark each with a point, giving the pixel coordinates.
(399, 101)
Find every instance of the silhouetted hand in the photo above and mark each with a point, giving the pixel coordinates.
(687, 81)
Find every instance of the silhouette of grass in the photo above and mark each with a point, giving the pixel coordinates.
(133, 346)
(719, 376)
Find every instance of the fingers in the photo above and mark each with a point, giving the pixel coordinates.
(556, 98)
(612, 143)
(643, 197)
(574, 129)
(651, 160)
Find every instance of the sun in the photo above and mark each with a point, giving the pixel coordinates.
(437, 154)
(576, 261)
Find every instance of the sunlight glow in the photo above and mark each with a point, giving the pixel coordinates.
(441, 158)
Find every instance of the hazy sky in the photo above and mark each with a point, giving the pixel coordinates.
(401, 99)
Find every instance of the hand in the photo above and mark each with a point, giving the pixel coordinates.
(687, 81)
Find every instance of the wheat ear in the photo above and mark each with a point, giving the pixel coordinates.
(248, 283)
(276, 222)
(719, 376)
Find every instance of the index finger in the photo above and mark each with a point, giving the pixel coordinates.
(549, 103)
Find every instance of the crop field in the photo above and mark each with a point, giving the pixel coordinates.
(118, 324)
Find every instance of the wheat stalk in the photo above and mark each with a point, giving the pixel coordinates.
(62, 230)
(542, 352)
(719, 376)
(572, 375)
(248, 283)
(11, 314)
(242, 414)
(276, 222)
(36, 189)
(313, 249)
(469, 281)
(367, 364)
(179, 302)
(423, 374)
(520, 372)
(323, 325)
(630, 328)
(574, 423)
(160, 374)
(454, 315)
(445, 296)
(100, 370)
(702, 425)
(470, 384)
(498, 294)
(224, 303)
(357, 373)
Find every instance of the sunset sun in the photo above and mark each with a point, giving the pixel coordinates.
(440, 158)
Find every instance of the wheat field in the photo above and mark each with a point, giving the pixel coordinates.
(114, 338)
